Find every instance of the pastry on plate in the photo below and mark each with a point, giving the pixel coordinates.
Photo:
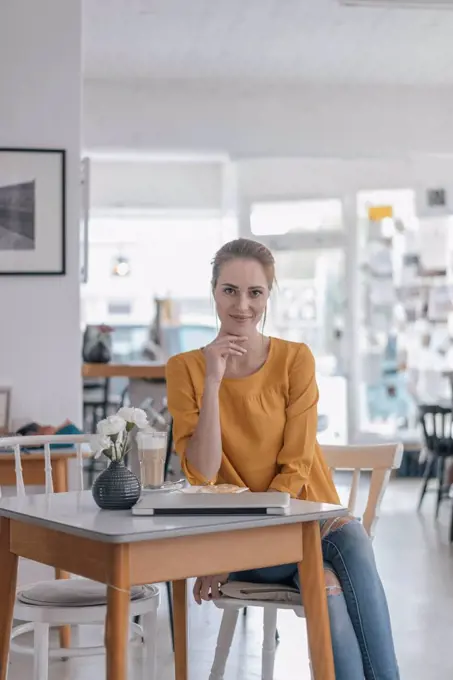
(221, 488)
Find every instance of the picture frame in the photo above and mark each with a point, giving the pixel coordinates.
(5, 409)
(32, 212)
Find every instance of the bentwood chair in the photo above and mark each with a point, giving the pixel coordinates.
(75, 601)
(381, 460)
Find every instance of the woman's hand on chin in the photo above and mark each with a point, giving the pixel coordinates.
(207, 588)
(218, 352)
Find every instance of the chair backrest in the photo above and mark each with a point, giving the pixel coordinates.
(42, 444)
(381, 459)
(437, 425)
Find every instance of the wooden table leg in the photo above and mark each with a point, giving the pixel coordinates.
(180, 619)
(117, 623)
(60, 475)
(311, 574)
(60, 485)
(64, 631)
(8, 581)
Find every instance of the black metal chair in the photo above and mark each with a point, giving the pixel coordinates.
(98, 401)
(169, 452)
(437, 425)
(168, 583)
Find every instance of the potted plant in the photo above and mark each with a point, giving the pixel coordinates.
(117, 488)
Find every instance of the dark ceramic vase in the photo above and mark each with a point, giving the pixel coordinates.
(117, 488)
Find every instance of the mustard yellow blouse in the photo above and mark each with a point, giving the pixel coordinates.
(268, 422)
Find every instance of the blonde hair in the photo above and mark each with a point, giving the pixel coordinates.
(244, 249)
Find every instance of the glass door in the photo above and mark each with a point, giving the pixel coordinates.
(308, 305)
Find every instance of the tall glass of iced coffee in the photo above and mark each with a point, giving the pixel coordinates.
(152, 449)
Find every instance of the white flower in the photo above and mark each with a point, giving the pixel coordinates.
(111, 425)
(100, 443)
(134, 416)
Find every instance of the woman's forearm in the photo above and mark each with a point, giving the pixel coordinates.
(204, 450)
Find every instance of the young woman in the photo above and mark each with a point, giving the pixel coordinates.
(244, 412)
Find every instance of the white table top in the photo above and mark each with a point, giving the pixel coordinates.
(76, 513)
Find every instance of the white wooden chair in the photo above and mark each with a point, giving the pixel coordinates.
(381, 460)
(76, 601)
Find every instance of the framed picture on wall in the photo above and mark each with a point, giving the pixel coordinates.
(5, 409)
(32, 212)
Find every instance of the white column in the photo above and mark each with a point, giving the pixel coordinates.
(40, 102)
(352, 312)
(229, 188)
(244, 227)
(230, 201)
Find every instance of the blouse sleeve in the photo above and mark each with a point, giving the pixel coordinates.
(299, 442)
(184, 411)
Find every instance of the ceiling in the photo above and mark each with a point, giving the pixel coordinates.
(316, 41)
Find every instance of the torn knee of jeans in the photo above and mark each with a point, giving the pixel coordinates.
(333, 586)
(334, 524)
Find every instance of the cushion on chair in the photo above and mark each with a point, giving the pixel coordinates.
(73, 593)
(261, 591)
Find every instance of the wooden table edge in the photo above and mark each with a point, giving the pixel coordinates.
(123, 565)
(132, 371)
(119, 539)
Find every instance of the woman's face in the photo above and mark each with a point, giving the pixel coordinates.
(241, 295)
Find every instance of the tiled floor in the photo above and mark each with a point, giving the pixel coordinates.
(416, 564)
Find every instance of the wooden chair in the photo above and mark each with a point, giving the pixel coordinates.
(381, 460)
(75, 601)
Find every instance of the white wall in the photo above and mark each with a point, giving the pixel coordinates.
(40, 103)
(284, 140)
(334, 178)
(203, 185)
(156, 184)
(262, 121)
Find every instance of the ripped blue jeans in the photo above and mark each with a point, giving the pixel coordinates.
(359, 617)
